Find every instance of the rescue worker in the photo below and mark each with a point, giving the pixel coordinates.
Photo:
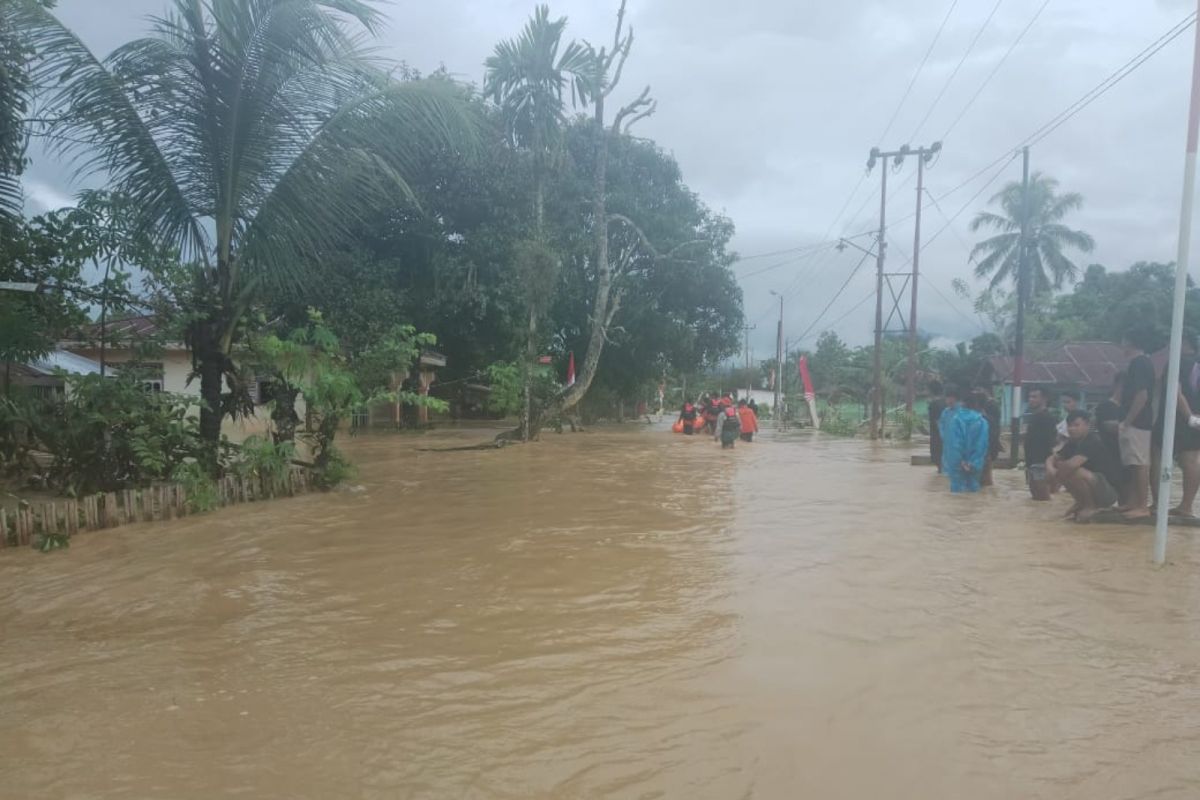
(688, 417)
(731, 427)
(748, 420)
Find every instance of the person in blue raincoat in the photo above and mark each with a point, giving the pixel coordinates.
(945, 423)
(967, 446)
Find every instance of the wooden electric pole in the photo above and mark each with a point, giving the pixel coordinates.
(924, 155)
(1022, 297)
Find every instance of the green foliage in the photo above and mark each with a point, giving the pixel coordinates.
(314, 142)
(835, 422)
(46, 541)
(505, 381)
(199, 488)
(1048, 267)
(112, 433)
(335, 471)
(265, 460)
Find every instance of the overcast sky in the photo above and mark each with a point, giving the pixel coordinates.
(771, 107)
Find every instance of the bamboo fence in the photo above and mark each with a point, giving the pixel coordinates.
(24, 526)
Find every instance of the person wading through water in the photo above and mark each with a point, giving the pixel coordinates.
(1040, 436)
(936, 406)
(731, 428)
(945, 422)
(966, 447)
(688, 417)
(748, 419)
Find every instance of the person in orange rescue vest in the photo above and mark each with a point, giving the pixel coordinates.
(749, 421)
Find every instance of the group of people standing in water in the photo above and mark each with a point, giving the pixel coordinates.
(964, 436)
(1103, 457)
(720, 416)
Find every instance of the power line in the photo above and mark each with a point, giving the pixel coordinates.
(816, 251)
(1112, 80)
(995, 69)
(838, 294)
(784, 252)
(917, 74)
(961, 61)
(852, 309)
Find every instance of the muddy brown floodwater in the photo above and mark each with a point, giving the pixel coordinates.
(620, 614)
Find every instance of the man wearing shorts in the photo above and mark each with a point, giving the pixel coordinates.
(1133, 434)
(1086, 468)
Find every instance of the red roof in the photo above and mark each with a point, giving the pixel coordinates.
(1087, 365)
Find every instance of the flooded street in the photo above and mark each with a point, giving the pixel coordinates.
(620, 614)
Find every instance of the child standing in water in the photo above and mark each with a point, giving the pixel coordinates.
(731, 427)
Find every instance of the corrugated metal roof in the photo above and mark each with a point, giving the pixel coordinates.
(1088, 365)
(134, 327)
(68, 362)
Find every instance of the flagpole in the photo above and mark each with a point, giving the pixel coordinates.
(1171, 401)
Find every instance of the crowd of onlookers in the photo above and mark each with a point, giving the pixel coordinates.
(1103, 457)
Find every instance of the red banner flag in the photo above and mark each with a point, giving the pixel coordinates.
(804, 376)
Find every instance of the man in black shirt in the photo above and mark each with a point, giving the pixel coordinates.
(1040, 438)
(936, 407)
(1133, 434)
(1086, 468)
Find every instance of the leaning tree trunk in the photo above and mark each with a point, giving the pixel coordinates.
(606, 302)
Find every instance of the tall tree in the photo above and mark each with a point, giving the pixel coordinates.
(608, 64)
(527, 77)
(250, 136)
(16, 87)
(1048, 237)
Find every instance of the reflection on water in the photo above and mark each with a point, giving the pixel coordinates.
(617, 614)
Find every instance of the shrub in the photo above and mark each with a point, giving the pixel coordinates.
(111, 433)
(198, 486)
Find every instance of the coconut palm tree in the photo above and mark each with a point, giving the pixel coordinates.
(528, 77)
(1048, 236)
(250, 135)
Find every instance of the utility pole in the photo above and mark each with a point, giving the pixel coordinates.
(777, 409)
(924, 155)
(1181, 281)
(1022, 292)
(749, 377)
(880, 250)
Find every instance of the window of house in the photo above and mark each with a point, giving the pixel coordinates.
(150, 373)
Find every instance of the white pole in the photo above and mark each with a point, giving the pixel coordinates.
(1171, 401)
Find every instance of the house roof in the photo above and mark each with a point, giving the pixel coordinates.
(62, 360)
(1087, 365)
(130, 327)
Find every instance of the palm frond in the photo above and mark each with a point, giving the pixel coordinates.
(990, 220)
(98, 123)
(1062, 268)
(1066, 236)
(355, 164)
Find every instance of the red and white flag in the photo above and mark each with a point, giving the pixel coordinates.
(571, 369)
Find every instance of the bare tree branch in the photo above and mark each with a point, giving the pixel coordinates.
(643, 100)
(650, 110)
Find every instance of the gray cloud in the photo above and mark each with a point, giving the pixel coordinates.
(771, 108)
